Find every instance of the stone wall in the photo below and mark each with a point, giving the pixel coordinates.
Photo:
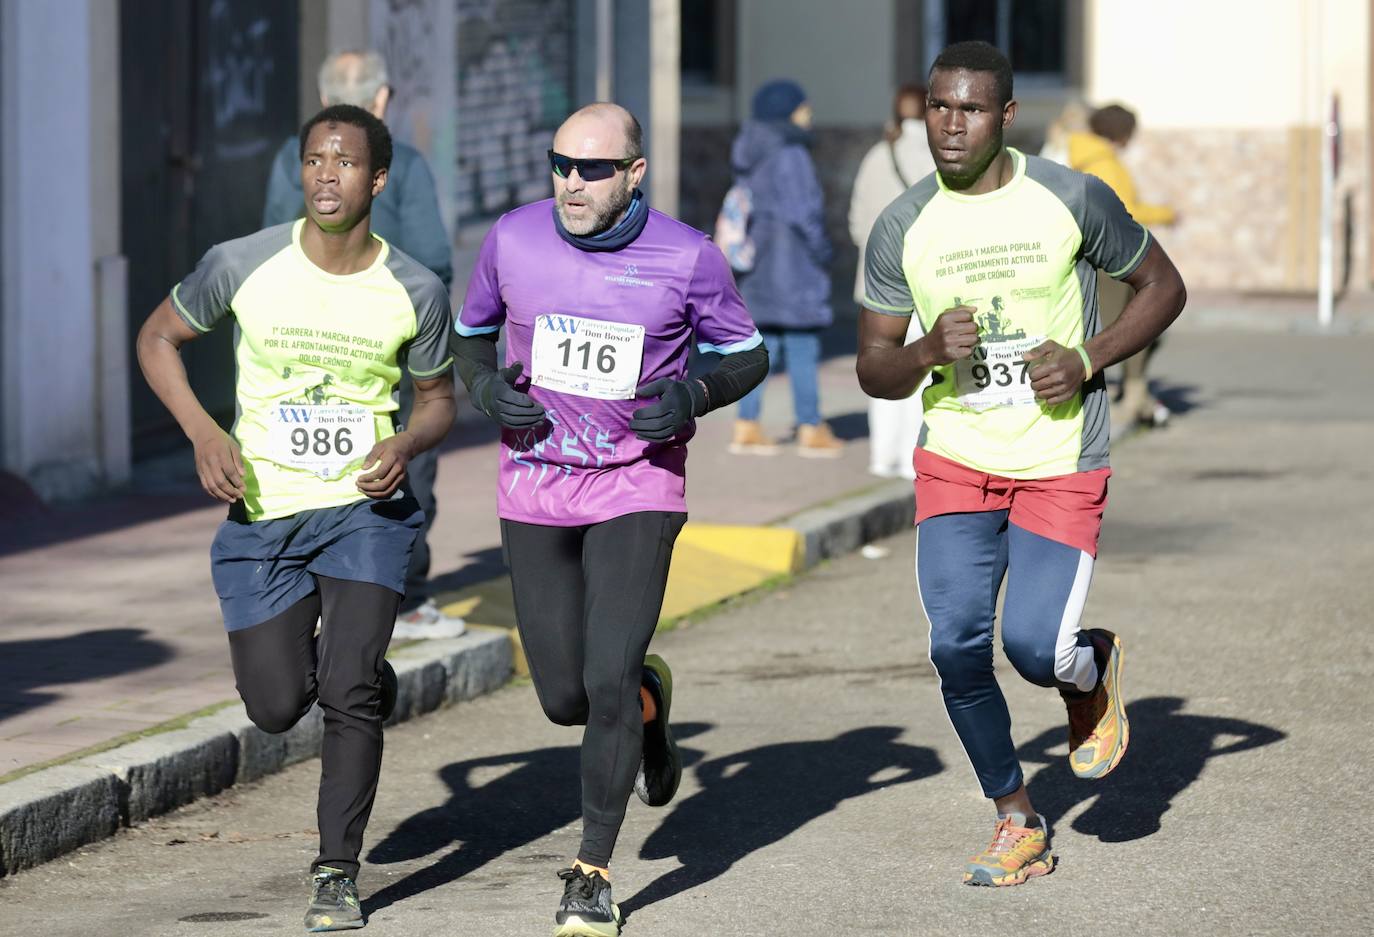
(1248, 202)
(515, 86)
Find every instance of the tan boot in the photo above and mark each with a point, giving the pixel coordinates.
(817, 442)
(749, 439)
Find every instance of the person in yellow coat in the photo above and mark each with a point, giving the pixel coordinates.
(1097, 151)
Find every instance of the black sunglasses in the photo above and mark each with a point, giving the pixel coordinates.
(591, 170)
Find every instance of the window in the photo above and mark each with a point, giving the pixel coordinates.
(1032, 33)
(708, 50)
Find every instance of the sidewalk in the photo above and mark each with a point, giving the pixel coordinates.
(113, 633)
(1279, 312)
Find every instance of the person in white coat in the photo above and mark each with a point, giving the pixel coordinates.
(893, 165)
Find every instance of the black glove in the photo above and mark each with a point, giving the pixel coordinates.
(679, 401)
(497, 397)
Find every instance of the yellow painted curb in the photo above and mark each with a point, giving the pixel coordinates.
(489, 606)
(711, 563)
(776, 549)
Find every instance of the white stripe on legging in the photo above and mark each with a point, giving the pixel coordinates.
(1074, 664)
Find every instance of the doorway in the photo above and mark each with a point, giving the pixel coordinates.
(208, 91)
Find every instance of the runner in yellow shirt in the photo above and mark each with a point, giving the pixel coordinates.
(995, 254)
(320, 527)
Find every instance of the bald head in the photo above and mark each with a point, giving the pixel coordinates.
(600, 131)
(598, 134)
(355, 77)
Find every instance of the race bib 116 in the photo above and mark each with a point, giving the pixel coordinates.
(586, 357)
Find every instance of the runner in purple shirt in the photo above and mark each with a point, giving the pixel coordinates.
(602, 298)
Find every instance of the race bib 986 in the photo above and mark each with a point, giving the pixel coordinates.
(587, 357)
(322, 440)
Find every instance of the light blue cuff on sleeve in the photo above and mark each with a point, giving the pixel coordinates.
(753, 341)
(469, 331)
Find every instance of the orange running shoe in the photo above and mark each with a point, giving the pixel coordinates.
(1098, 728)
(1017, 852)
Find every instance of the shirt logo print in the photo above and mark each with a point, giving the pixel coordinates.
(629, 278)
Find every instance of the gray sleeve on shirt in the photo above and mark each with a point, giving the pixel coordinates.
(206, 295)
(1113, 241)
(886, 290)
(427, 355)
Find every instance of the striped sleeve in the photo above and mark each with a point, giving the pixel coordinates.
(886, 290)
(1113, 241)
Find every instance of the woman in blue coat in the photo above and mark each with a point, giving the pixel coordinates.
(788, 289)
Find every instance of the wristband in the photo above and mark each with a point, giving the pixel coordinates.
(1087, 362)
(706, 396)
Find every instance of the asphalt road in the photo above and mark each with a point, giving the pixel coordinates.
(827, 792)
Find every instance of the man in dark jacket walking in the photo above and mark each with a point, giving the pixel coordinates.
(788, 289)
(406, 215)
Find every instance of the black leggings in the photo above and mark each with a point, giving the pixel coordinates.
(587, 600)
(281, 670)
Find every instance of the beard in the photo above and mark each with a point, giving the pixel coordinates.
(604, 213)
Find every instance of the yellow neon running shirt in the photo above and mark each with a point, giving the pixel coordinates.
(306, 343)
(1025, 257)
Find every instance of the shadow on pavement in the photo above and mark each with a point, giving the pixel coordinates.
(75, 658)
(849, 426)
(755, 798)
(537, 797)
(479, 567)
(1179, 398)
(1168, 751)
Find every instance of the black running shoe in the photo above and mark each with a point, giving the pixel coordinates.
(586, 909)
(333, 902)
(390, 688)
(660, 768)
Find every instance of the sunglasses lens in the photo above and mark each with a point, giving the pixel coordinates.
(594, 170)
(591, 170)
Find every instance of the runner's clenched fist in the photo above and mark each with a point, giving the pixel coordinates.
(953, 335)
(1056, 372)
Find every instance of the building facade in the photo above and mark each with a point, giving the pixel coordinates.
(136, 133)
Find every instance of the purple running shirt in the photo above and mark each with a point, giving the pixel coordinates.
(589, 327)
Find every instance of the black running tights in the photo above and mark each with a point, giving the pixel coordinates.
(587, 600)
(281, 669)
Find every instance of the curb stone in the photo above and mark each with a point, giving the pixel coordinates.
(62, 808)
(846, 525)
(55, 811)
